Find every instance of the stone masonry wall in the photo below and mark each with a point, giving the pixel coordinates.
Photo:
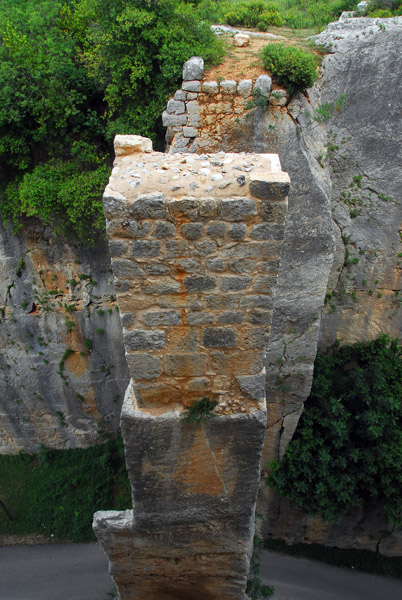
(206, 115)
(195, 244)
(195, 252)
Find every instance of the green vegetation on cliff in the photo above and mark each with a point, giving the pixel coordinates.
(261, 14)
(73, 73)
(347, 448)
(56, 492)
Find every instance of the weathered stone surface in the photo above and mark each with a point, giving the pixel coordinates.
(180, 95)
(191, 86)
(139, 339)
(241, 39)
(170, 120)
(176, 107)
(232, 316)
(228, 86)
(144, 366)
(163, 317)
(126, 269)
(233, 283)
(252, 385)
(127, 144)
(200, 318)
(245, 87)
(148, 206)
(189, 477)
(238, 209)
(263, 85)
(210, 87)
(279, 98)
(219, 337)
(237, 231)
(145, 248)
(199, 283)
(192, 231)
(217, 230)
(193, 69)
(40, 276)
(185, 365)
(163, 285)
(164, 230)
(190, 132)
(261, 186)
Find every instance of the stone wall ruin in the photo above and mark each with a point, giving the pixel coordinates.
(195, 244)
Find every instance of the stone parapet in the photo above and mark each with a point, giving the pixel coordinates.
(195, 243)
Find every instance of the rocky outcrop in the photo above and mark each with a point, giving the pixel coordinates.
(361, 156)
(195, 243)
(62, 365)
(340, 269)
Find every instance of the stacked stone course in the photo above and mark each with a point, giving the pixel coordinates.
(195, 252)
(195, 244)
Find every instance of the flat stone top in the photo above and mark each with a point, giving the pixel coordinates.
(183, 174)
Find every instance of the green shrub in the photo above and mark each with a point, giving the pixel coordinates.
(347, 448)
(290, 66)
(269, 17)
(380, 13)
(298, 14)
(246, 14)
(61, 195)
(56, 492)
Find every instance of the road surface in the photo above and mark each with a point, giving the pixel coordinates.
(79, 572)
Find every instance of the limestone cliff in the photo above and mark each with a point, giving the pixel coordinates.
(339, 276)
(63, 372)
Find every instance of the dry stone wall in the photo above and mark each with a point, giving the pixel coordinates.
(195, 242)
(204, 115)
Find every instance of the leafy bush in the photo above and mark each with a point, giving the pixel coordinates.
(61, 195)
(380, 13)
(347, 448)
(56, 492)
(292, 67)
(247, 14)
(255, 13)
(72, 75)
(269, 17)
(298, 14)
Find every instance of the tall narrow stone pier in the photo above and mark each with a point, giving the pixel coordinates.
(195, 243)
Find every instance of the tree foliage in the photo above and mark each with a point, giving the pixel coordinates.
(73, 73)
(347, 448)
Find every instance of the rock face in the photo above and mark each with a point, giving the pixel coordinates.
(195, 286)
(340, 268)
(63, 371)
(361, 155)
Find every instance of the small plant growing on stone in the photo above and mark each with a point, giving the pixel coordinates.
(200, 410)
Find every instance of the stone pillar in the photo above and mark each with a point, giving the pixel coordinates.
(195, 244)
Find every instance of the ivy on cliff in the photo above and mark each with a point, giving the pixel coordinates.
(347, 448)
(73, 73)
